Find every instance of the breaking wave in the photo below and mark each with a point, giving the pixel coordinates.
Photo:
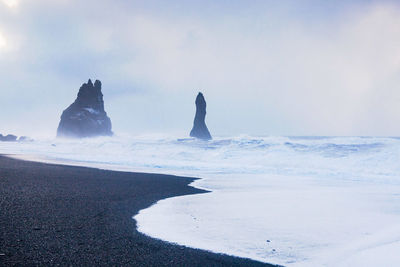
(286, 200)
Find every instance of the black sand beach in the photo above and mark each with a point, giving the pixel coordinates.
(60, 215)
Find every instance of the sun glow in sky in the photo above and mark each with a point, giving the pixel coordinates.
(10, 3)
(265, 67)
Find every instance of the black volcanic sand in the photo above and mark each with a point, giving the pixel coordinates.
(60, 215)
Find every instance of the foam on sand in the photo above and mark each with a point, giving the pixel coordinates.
(296, 201)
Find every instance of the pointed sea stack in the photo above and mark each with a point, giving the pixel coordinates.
(199, 125)
(86, 117)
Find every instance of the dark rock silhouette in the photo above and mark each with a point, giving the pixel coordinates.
(199, 125)
(13, 138)
(25, 139)
(8, 138)
(86, 117)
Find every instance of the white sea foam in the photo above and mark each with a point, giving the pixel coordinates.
(296, 201)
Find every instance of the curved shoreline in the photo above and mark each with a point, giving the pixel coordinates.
(65, 215)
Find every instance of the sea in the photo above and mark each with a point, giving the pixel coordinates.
(288, 200)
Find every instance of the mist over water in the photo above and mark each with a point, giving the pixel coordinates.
(286, 200)
(365, 158)
(277, 67)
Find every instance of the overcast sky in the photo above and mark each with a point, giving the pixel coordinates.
(265, 67)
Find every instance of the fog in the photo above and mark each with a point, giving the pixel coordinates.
(265, 68)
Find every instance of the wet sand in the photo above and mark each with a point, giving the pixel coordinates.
(61, 215)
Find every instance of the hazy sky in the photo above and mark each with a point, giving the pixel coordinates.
(265, 67)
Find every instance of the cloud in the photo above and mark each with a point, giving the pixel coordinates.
(3, 42)
(10, 3)
(265, 68)
(336, 79)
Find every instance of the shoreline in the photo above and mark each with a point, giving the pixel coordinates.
(54, 214)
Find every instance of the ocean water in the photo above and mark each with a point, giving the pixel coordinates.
(294, 201)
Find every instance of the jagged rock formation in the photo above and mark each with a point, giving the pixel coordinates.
(25, 139)
(8, 138)
(199, 125)
(13, 138)
(86, 117)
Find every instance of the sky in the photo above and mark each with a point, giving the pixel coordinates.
(264, 67)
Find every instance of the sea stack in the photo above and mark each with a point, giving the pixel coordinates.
(86, 117)
(199, 125)
(8, 138)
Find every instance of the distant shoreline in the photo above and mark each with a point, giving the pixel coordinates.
(64, 215)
